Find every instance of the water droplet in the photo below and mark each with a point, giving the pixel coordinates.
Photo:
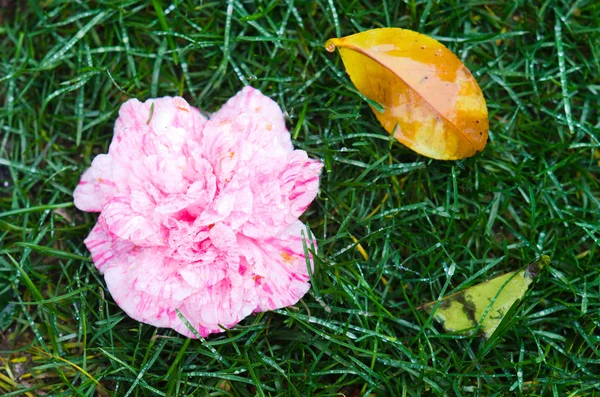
(169, 9)
(330, 46)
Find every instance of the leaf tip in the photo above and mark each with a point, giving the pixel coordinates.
(331, 44)
(545, 260)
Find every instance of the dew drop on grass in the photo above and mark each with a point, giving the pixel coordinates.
(450, 270)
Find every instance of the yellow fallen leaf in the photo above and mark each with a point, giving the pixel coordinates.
(431, 102)
(465, 310)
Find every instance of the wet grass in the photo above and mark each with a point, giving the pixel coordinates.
(395, 229)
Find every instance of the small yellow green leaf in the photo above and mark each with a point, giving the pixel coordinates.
(485, 303)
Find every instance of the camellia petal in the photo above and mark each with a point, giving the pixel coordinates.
(96, 186)
(281, 269)
(198, 215)
(251, 101)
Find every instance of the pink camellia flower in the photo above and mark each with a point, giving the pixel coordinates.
(200, 215)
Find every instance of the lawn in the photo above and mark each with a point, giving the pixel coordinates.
(394, 229)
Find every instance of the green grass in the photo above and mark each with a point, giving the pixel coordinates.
(428, 227)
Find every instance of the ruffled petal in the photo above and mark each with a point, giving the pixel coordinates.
(300, 182)
(96, 186)
(105, 247)
(279, 267)
(146, 285)
(221, 306)
(232, 205)
(252, 101)
(281, 197)
(157, 126)
(122, 221)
